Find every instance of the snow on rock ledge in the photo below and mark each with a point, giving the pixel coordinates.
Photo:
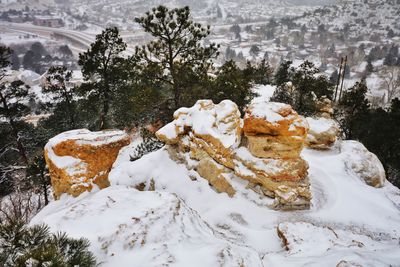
(336, 247)
(207, 138)
(78, 159)
(274, 130)
(322, 134)
(364, 164)
(218, 124)
(131, 228)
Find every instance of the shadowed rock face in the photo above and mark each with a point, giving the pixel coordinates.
(363, 164)
(322, 134)
(265, 152)
(80, 158)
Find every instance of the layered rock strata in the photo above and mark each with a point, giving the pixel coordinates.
(78, 159)
(263, 149)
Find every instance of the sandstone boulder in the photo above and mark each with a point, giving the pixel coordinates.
(271, 118)
(208, 138)
(283, 179)
(324, 107)
(78, 159)
(322, 133)
(363, 164)
(274, 130)
(269, 146)
(215, 128)
(275, 169)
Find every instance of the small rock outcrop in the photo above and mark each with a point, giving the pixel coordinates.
(363, 164)
(274, 130)
(324, 107)
(78, 159)
(263, 149)
(322, 134)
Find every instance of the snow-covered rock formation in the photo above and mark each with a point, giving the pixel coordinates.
(78, 159)
(208, 138)
(322, 134)
(364, 164)
(159, 211)
(210, 227)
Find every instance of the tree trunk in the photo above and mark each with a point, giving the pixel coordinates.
(104, 112)
(175, 86)
(69, 109)
(20, 146)
(46, 197)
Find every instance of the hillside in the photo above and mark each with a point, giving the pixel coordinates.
(157, 212)
(357, 17)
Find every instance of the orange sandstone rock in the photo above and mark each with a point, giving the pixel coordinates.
(270, 118)
(274, 130)
(215, 128)
(216, 175)
(268, 157)
(78, 159)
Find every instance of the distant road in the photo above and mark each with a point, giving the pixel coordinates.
(78, 41)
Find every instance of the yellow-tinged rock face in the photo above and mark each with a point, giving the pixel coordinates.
(322, 134)
(218, 124)
(78, 159)
(216, 175)
(269, 146)
(276, 119)
(268, 157)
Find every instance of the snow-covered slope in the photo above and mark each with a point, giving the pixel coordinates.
(131, 228)
(359, 16)
(185, 220)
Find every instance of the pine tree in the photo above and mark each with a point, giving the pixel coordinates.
(31, 60)
(260, 73)
(353, 110)
(307, 88)
(176, 51)
(38, 49)
(21, 246)
(65, 51)
(334, 76)
(231, 83)
(102, 69)
(150, 143)
(254, 50)
(236, 30)
(283, 73)
(58, 87)
(13, 99)
(309, 85)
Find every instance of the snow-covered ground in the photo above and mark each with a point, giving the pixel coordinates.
(117, 220)
(179, 220)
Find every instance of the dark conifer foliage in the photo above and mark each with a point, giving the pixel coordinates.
(62, 93)
(305, 88)
(21, 245)
(101, 69)
(176, 57)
